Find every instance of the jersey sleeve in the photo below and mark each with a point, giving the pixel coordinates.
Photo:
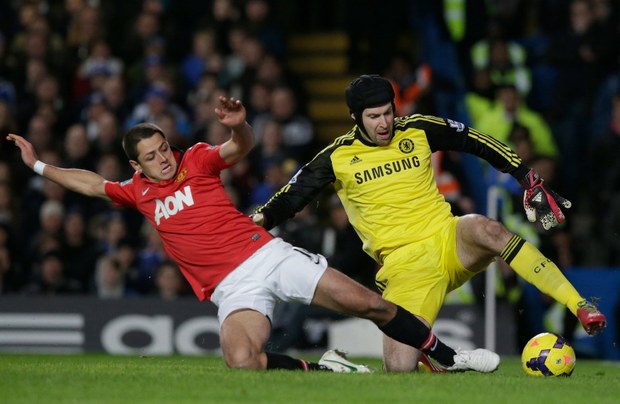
(305, 185)
(446, 134)
(121, 193)
(207, 158)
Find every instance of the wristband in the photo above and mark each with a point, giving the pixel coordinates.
(38, 167)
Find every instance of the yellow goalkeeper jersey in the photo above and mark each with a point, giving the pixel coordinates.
(389, 192)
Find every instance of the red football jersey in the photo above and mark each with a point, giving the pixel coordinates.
(200, 227)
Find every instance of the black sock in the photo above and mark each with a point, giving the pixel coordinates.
(279, 361)
(408, 329)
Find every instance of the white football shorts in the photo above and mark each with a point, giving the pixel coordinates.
(276, 270)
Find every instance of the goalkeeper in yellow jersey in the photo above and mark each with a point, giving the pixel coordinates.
(381, 170)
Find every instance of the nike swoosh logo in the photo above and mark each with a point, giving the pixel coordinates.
(145, 191)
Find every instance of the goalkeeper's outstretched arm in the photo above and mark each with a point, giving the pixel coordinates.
(81, 181)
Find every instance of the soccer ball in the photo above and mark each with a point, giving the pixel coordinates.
(548, 354)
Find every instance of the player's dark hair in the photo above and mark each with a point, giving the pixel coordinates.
(368, 91)
(135, 135)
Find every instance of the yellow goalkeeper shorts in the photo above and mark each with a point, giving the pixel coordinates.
(418, 276)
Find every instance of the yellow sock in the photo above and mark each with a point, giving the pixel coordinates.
(540, 271)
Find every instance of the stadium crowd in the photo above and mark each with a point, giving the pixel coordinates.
(75, 74)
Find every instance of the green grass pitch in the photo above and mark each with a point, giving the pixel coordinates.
(177, 379)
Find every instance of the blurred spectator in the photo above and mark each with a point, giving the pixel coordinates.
(505, 60)
(274, 178)
(96, 68)
(49, 277)
(77, 148)
(78, 249)
(44, 100)
(225, 14)
(150, 257)
(4, 68)
(259, 101)
(146, 28)
(9, 281)
(94, 107)
(169, 281)
(270, 149)
(109, 280)
(233, 60)
(167, 122)
(125, 255)
(297, 129)
(509, 110)
(204, 103)
(31, 45)
(8, 97)
(215, 134)
(273, 72)
(152, 71)
(51, 216)
(26, 79)
(206, 85)
(6, 176)
(157, 102)
(410, 85)
(7, 125)
(40, 133)
(113, 91)
(84, 31)
(522, 143)
(110, 230)
(48, 94)
(259, 23)
(108, 137)
(101, 60)
(195, 64)
(8, 205)
(251, 53)
(480, 98)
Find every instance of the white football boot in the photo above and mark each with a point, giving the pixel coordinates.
(336, 361)
(480, 360)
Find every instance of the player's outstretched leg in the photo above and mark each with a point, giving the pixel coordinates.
(540, 271)
(331, 361)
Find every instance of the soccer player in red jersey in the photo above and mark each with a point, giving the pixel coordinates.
(233, 262)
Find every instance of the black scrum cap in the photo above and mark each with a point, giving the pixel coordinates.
(368, 91)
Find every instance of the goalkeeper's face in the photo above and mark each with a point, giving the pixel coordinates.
(378, 122)
(155, 159)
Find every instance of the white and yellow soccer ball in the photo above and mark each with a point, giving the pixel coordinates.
(548, 354)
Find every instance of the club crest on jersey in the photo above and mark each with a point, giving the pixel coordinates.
(181, 175)
(173, 204)
(406, 146)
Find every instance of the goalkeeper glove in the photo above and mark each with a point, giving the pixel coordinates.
(541, 202)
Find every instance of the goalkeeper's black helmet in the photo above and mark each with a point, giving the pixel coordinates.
(368, 91)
